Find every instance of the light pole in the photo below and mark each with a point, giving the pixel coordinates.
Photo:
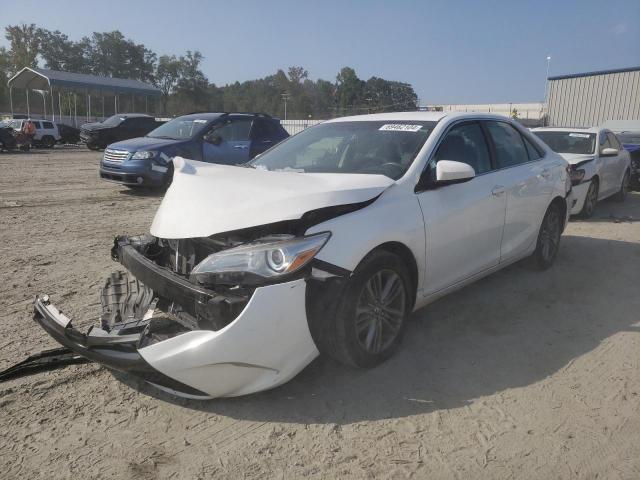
(285, 97)
(546, 91)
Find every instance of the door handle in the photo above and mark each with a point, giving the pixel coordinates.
(497, 190)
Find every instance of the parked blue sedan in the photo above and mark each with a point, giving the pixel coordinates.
(227, 138)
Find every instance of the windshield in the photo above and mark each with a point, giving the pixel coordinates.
(16, 124)
(569, 142)
(179, 128)
(113, 121)
(629, 137)
(385, 148)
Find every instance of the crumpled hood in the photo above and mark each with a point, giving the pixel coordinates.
(205, 199)
(144, 143)
(574, 158)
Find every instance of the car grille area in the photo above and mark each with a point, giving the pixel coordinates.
(115, 156)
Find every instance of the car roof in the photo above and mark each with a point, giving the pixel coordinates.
(132, 115)
(567, 129)
(214, 115)
(418, 116)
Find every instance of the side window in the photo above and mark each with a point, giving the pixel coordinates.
(37, 125)
(510, 148)
(234, 130)
(613, 140)
(260, 130)
(466, 143)
(604, 141)
(533, 152)
(47, 125)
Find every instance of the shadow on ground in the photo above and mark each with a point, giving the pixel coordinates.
(509, 330)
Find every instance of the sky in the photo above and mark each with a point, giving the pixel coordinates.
(458, 51)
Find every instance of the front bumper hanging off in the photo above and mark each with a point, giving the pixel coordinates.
(267, 343)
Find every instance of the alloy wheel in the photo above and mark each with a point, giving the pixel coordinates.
(591, 200)
(380, 311)
(550, 235)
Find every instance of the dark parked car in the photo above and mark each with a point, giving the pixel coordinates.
(7, 140)
(227, 138)
(631, 143)
(115, 128)
(68, 134)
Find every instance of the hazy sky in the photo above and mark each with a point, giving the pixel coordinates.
(450, 51)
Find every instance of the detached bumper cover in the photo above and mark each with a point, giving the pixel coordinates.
(265, 346)
(116, 352)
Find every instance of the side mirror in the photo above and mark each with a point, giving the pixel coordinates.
(212, 138)
(447, 172)
(608, 152)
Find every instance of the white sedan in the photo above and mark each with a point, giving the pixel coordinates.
(323, 244)
(600, 167)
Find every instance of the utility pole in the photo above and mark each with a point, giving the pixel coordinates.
(285, 97)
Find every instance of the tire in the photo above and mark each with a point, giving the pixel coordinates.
(364, 332)
(548, 242)
(48, 141)
(624, 188)
(123, 299)
(590, 200)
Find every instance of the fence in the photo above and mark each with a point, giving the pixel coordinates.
(296, 126)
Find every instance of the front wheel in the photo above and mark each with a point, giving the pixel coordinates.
(590, 200)
(371, 320)
(548, 238)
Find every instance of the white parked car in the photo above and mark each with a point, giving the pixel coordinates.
(47, 133)
(600, 167)
(324, 243)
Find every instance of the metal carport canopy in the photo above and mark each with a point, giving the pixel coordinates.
(42, 79)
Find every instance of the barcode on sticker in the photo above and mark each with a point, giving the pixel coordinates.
(400, 127)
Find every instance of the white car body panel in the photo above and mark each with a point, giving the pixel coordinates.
(205, 199)
(609, 170)
(265, 346)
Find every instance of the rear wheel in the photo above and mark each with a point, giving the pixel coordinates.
(48, 141)
(372, 317)
(590, 200)
(548, 238)
(624, 188)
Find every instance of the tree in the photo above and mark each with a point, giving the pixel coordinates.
(350, 91)
(167, 76)
(193, 84)
(25, 43)
(60, 53)
(111, 54)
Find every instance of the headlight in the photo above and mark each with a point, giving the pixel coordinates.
(143, 155)
(260, 261)
(577, 175)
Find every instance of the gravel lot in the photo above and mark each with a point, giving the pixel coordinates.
(524, 374)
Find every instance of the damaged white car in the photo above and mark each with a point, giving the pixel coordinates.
(323, 244)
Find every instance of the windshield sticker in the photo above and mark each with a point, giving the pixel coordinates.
(199, 121)
(400, 127)
(579, 135)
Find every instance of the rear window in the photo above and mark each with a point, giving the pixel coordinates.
(47, 125)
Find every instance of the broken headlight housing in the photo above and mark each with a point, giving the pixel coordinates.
(260, 262)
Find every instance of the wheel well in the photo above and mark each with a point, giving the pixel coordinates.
(406, 255)
(596, 178)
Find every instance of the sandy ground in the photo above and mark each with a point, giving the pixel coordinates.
(522, 375)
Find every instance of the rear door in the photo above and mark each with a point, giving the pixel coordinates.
(620, 164)
(464, 221)
(263, 136)
(234, 147)
(527, 180)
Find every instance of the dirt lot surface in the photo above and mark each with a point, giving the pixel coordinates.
(522, 375)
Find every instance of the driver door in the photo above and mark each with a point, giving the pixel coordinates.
(232, 144)
(463, 221)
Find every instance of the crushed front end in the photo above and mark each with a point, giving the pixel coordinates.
(182, 318)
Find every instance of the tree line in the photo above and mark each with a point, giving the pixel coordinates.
(186, 88)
